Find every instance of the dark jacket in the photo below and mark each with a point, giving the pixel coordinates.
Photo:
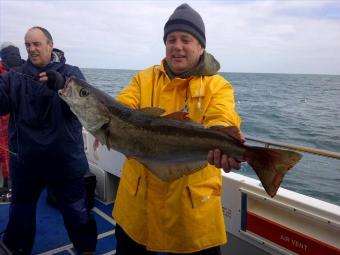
(43, 132)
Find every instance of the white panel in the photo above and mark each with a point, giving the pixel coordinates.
(107, 184)
(109, 160)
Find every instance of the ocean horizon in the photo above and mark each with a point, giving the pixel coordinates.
(220, 72)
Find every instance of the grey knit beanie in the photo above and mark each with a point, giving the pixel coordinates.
(188, 20)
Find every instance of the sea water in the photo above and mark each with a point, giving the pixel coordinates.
(297, 109)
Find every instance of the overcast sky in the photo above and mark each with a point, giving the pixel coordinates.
(301, 36)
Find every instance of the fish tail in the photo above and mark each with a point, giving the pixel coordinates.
(271, 165)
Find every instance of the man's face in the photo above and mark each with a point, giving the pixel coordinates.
(38, 47)
(183, 51)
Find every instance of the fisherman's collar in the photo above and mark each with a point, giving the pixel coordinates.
(57, 56)
(207, 65)
(57, 60)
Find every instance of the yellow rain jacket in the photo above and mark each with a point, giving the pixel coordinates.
(184, 215)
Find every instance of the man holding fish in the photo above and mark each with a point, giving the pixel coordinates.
(183, 216)
(170, 121)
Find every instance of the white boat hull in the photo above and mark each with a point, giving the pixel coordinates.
(290, 223)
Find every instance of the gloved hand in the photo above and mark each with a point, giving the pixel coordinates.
(55, 80)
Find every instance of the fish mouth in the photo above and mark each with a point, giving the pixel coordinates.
(66, 91)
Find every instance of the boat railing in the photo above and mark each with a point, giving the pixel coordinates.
(268, 143)
(290, 222)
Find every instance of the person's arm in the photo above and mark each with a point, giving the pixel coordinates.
(131, 95)
(4, 94)
(55, 80)
(221, 109)
(75, 71)
(221, 114)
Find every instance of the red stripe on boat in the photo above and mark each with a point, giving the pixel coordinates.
(288, 238)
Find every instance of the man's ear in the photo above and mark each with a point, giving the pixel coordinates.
(50, 45)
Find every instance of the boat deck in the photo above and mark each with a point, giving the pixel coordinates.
(52, 238)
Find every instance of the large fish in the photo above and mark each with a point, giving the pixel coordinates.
(169, 148)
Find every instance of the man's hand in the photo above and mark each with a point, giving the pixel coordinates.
(221, 160)
(55, 80)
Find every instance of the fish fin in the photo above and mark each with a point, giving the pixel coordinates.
(95, 146)
(101, 138)
(107, 139)
(271, 165)
(230, 131)
(171, 172)
(182, 116)
(152, 111)
(177, 116)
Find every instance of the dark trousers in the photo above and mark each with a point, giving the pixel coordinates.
(126, 246)
(70, 196)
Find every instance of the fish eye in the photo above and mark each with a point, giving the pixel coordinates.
(84, 92)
